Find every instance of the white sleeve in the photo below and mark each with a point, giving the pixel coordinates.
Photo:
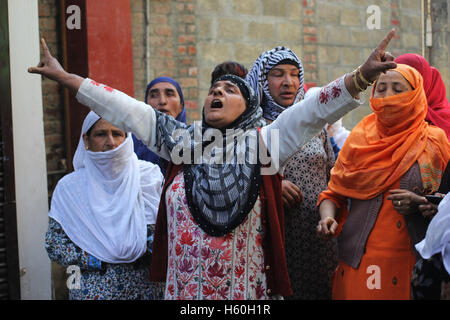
(301, 122)
(122, 111)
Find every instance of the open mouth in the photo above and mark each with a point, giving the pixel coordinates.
(216, 104)
(287, 94)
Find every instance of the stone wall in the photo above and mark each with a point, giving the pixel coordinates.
(189, 37)
(439, 55)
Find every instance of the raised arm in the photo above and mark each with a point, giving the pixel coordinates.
(52, 69)
(112, 105)
(379, 61)
(302, 121)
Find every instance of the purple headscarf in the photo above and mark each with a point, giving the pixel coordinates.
(140, 148)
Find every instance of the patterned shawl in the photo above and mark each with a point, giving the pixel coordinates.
(219, 196)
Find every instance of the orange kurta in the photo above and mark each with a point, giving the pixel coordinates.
(378, 152)
(387, 264)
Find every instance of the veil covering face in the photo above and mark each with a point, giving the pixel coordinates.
(104, 206)
(386, 144)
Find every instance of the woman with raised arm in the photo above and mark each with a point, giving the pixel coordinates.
(391, 151)
(220, 227)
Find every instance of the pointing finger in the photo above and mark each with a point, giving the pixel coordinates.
(45, 48)
(385, 42)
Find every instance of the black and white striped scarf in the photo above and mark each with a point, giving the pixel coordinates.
(257, 78)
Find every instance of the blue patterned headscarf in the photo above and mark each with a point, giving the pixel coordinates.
(257, 78)
(140, 148)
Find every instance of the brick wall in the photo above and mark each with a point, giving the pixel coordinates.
(171, 45)
(188, 38)
(52, 94)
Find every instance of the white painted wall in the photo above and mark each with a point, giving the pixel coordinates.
(29, 150)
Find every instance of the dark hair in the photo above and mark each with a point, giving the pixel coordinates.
(228, 67)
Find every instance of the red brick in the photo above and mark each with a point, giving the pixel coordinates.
(191, 29)
(164, 52)
(44, 10)
(186, 39)
(187, 18)
(193, 71)
(182, 50)
(190, 7)
(309, 39)
(186, 82)
(187, 62)
(179, 7)
(192, 50)
(162, 7)
(310, 30)
(163, 30)
(191, 105)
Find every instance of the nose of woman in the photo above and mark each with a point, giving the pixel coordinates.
(288, 80)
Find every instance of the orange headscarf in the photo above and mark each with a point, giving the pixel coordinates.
(386, 144)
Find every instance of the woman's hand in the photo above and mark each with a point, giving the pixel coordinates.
(429, 210)
(379, 61)
(327, 225)
(50, 67)
(292, 195)
(407, 202)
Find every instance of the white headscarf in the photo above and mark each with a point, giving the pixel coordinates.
(104, 206)
(437, 238)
